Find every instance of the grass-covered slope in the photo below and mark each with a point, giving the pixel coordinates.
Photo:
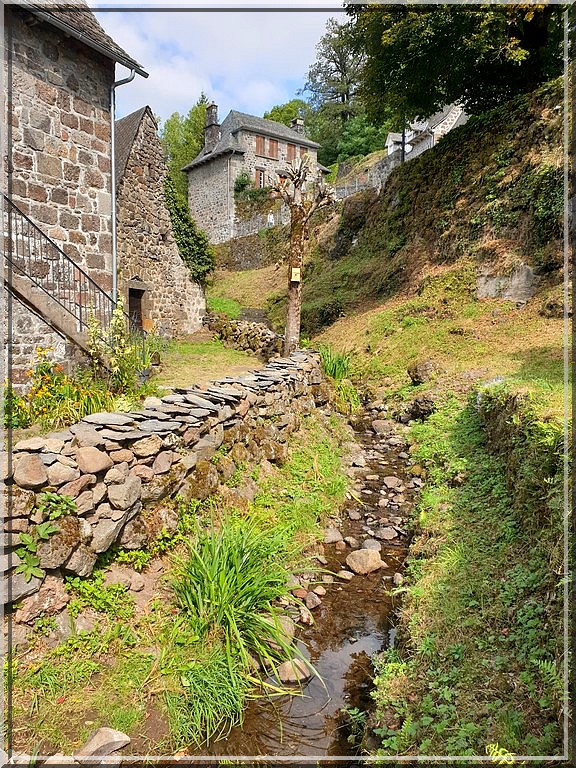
(490, 192)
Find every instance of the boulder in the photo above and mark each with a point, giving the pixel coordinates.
(147, 446)
(91, 460)
(332, 535)
(81, 562)
(30, 472)
(422, 371)
(57, 549)
(75, 487)
(104, 741)
(58, 474)
(295, 671)
(365, 561)
(124, 495)
(51, 598)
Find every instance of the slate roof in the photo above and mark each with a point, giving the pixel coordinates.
(235, 122)
(125, 131)
(76, 19)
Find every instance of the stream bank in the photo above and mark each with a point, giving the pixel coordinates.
(353, 612)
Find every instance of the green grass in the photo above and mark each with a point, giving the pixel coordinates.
(480, 623)
(228, 307)
(186, 363)
(186, 658)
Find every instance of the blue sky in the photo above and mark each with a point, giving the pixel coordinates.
(242, 60)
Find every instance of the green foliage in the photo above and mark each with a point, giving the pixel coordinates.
(334, 364)
(227, 307)
(481, 607)
(56, 400)
(480, 57)
(250, 199)
(54, 505)
(285, 113)
(192, 242)
(227, 584)
(360, 137)
(112, 600)
(15, 410)
(182, 137)
(215, 691)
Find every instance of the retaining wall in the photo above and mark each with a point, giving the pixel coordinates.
(122, 469)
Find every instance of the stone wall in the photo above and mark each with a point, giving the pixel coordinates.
(60, 152)
(173, 304)
(210, 200)
(242, 334)
(122, 469)
(61, 141)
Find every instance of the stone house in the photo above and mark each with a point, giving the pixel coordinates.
(422, 135)
(158, 291)
(242, 143)
(60, 73)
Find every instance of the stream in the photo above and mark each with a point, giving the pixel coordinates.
(354, 620)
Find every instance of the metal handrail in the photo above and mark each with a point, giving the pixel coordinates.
(34, 255)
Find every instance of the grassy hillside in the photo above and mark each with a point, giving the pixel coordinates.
(490, 192)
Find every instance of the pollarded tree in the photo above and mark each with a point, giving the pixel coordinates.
(303, 190)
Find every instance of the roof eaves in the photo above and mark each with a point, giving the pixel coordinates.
(211, 156)
(126, 61)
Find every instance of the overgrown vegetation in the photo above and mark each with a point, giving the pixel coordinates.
(251, 200)
(491, 192)
(480, 658)
(190, 658)
(227, 307)
(192, 242)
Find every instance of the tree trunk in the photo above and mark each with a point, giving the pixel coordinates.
(294, 308)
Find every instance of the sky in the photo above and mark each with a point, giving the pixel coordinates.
(244, 60)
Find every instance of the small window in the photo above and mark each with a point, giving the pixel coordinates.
(273, 149)
(290, 152)
(260, 178)
(260, 145)
(302, 151)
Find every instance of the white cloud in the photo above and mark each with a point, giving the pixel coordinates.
(242, 60)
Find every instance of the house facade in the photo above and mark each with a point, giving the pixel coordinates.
(159, 294)
(241, 144)
(59, 72)
(423, 135)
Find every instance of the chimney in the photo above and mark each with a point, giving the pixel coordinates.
(297, 124)
(212, 130)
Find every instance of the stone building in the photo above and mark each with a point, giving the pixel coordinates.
(59, 72)
(158, 291)
(242, 143)
(423, 135)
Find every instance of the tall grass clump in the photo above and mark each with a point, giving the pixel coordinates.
(227, 585)
(335, 364)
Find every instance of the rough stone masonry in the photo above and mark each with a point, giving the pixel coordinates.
(116, 465)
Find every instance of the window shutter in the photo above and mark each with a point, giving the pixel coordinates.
(273, 149)
(290, 152)
(260, 145)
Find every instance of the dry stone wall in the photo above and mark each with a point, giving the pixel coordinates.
(242, 334)
(123, 469)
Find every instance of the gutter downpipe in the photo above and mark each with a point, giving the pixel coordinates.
(113, 174)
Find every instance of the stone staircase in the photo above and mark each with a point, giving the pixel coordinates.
(44, 278)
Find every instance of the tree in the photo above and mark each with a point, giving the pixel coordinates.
(285, 113)
(335, 75)
(304, 192)
(182, 139)
(360, 137)
(420, 58)
(332, 85)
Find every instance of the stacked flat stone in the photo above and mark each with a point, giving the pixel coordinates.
(116, 464)
(245, 335)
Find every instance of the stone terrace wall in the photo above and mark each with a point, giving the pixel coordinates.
(123, 468)
(242, 334)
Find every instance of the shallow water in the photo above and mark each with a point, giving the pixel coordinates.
(354, 621)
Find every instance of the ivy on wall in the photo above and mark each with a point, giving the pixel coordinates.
(192, 242)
